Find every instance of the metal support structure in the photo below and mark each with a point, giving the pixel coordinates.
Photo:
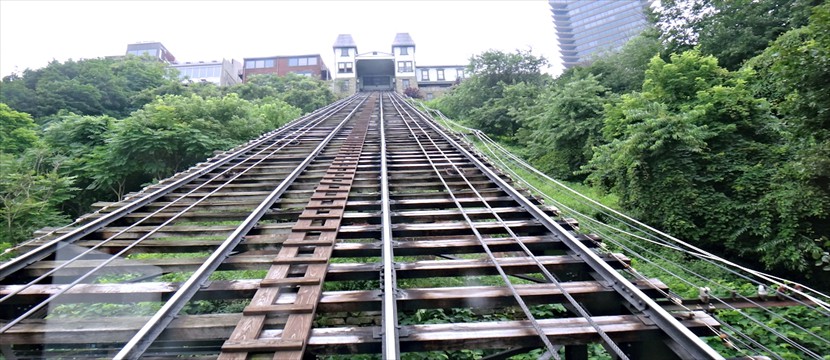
(535, 323)
(117, 255)
(142, 340)
(390, 311)
(50, 247)
(694, 347)
(390, 183)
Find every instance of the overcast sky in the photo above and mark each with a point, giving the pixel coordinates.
(32, 33)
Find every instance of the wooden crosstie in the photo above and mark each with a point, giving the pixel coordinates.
(309, 246)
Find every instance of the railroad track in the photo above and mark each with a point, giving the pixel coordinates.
(360, 228)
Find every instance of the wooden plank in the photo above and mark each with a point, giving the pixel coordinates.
(246, 338)
(262, 345)
(331, 301)
(119, 329)
(305, 280)
(278, 309)
(338, 271)
(501, 334)
(457, 244)
(495, 335)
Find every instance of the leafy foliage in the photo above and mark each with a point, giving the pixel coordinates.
(31, 189)
(792, 73)
(17, 131)
(110, 126)
(731, 30)
(568, 126)
(174, 132)
(299, 91)
(88, 87)
(695, 152)
(487, 98)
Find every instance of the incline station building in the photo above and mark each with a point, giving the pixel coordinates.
(395, 70)
(353, 71)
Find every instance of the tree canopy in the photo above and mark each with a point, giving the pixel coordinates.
(110, 126)
(712, 125)
(484, 98)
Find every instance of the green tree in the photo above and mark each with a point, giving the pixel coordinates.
(481, 99)
(299, 91)
(31, 191)
(695, 153)
(77, 138)
(13, 90)
(731, 30)
(568, 126)
(174, 132)
(793, 74)
(111, 87)
(17, 131)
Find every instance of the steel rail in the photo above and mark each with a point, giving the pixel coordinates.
(722, 303)
(89, 273)
(693, 346)
(799, 289)
(389, 311)
(547, 274)
(142, 340)
(302, 130)
(48, 248)
(534, 323)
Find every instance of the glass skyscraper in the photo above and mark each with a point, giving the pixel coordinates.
(589, 27)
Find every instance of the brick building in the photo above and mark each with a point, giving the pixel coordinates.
(307, 65)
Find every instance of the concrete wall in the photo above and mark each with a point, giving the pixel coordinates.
(431, 92)
(400, 84)
(344, 87)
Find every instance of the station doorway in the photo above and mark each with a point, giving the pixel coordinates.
(375, 74)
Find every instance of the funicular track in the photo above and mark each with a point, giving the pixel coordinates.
(329, 236)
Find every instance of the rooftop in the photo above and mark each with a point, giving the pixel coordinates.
(344, 40)
(403, 39)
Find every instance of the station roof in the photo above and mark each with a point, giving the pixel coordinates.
(344, 40)
(403, 39)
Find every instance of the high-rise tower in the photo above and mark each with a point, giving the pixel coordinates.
(589, 27)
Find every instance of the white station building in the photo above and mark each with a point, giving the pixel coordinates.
(395, 70)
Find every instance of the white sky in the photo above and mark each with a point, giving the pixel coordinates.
(32, 33)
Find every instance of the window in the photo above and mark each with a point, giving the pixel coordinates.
(425, 74)
(460, 73)
(405, 83)
(259, 64)
(404, 51)
(304, 73)
(405, 66)
(302, 61)
(440, 74)
(151, 52)
(345, 67)
(196, 72)
(344, 52)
